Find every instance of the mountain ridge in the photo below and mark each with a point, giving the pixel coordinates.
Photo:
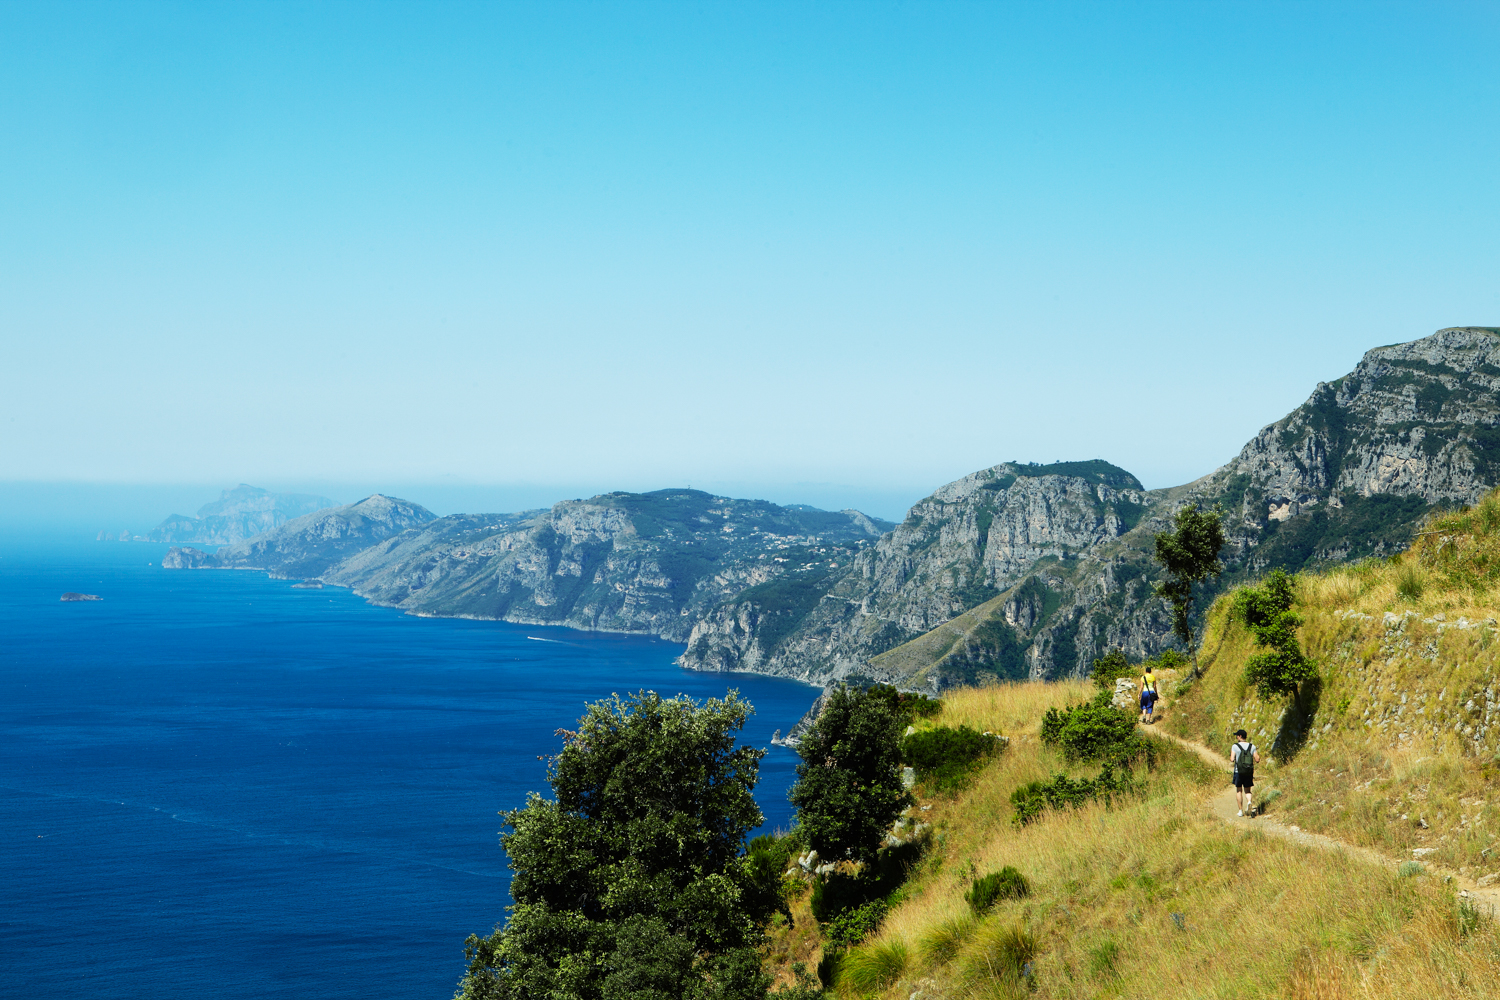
(1014, 571)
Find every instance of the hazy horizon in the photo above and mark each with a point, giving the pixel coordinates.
(753, 248)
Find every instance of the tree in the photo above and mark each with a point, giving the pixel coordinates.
(631, 882)
(1267, 611)
(849, 789)
(1190, 555)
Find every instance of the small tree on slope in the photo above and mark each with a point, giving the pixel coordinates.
(1267, 611)
(1190, 555)
(849, 789)
(631, 883)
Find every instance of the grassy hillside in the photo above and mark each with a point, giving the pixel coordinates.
(1151, 897)
(1394, 745)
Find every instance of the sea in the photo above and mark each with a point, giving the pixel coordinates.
(215, 785)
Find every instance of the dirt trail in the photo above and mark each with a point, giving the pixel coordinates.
(1223, 805)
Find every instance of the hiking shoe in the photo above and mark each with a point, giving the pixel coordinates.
(1240, 813)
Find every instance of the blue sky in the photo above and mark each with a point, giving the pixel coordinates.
(834, 252)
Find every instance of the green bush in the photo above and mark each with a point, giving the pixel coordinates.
(852, 926)
(1170, 659)
(945, 757)
(1267, 611)
(1007, 883)
(1111, 667)
(1095, 730)
(1034, 798)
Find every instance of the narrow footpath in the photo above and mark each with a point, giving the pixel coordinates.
(1222, 804)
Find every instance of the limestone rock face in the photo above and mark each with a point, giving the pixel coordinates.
(653, 562)
(239, 514)
(1010, 573)
(970, 542)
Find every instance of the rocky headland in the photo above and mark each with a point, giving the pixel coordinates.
(238, 515)
(1011, 572)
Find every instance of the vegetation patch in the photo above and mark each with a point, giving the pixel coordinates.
(1007, 883)
(944, 757)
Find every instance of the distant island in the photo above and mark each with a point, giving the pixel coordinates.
(73, 595)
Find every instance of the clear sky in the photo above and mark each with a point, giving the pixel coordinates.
(828, 251)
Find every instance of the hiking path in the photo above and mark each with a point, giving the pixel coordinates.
(1222, 804)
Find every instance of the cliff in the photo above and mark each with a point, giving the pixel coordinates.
(239, 514)
(652, 562)
(1034, 571)
(1014, 571)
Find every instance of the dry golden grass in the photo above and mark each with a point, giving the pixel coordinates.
(1259, 916)
(1402, 747)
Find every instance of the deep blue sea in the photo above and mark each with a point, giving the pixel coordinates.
(213, 785)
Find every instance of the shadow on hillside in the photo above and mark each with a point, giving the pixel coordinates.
(1297, 723)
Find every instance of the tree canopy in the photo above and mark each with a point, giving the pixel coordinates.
(1190, 555)
(631, 882)
(849, 789)
(1267, 611)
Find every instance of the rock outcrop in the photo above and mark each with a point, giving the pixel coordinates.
(652, 562)
(1036, 576)
(1013, 571)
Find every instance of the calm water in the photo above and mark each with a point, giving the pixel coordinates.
(212, 784)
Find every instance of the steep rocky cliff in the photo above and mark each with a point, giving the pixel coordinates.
(239, 514)
(1013, 571)
(967, 544)
(1034, 571)
(652, 562)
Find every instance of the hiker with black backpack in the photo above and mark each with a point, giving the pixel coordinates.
(1244, 757)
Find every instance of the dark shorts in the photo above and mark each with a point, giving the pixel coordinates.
(1148, 698)
(1244, 784)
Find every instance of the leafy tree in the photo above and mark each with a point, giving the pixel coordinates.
(1190, 555)
(1267, 611)
(1111, 667)
(849, 789)
(630, 884)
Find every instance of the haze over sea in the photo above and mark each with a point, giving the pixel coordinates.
(212, 784)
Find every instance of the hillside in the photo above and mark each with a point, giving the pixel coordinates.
(239, 514)
(1396, 744)
(645, 562)
(1035, 571)
(1151, 896)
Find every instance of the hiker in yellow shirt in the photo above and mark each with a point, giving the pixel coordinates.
(1148, 695)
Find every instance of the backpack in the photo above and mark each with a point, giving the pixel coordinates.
(1244, 762)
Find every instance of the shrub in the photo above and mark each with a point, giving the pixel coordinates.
(945, 756)
(1095, 730)
(1170, 659)
(853, 925)
(868, 970)
(1034, 798)
(1267, 611)
(1007, 883)
(1409, 869)
(804, 987)
(1111, 667)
